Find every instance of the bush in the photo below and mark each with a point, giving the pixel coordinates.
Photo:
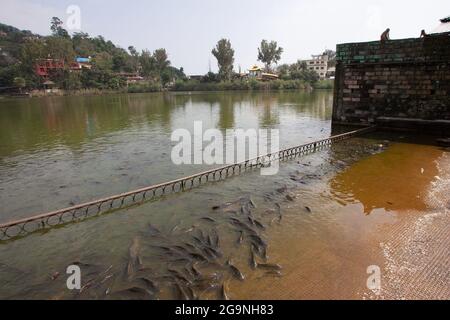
(144, 87)
(324, 84)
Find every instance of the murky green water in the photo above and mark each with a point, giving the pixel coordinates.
(59, 151)
(63, 150)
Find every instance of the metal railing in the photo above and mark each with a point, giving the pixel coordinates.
(22, 227)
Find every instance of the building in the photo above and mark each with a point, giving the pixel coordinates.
(81, 63)
(130, 77)
(46, 67)
(444, 26)
(197, 77)
(257, 73)
(319, 64)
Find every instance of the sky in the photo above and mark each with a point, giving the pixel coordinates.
(189, 29)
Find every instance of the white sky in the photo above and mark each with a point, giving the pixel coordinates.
(189, 29)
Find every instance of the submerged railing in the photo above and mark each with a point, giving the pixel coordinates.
(90, 209)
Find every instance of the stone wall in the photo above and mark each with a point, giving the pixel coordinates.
(400, 79)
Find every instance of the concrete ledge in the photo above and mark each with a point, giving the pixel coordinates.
(438, 127)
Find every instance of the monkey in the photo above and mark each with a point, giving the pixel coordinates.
(385, 35)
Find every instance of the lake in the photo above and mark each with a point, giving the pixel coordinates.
(60, 151)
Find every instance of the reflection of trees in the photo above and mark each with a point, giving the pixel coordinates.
(226, 102)
(71, 121)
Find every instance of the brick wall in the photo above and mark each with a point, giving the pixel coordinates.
(408, 78)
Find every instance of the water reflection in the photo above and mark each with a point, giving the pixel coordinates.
(56, 151)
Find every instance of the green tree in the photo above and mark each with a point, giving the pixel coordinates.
(57, 29)
(166, 77)
(72, 80)
(60, 48)
(269, 53)
(83, 44)
(283, 71)
(19, 83)
(331, 57)
(224, 54)
(103, 61)
(161, 60)
(148, 64)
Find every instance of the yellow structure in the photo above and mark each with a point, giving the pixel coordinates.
(257, 73)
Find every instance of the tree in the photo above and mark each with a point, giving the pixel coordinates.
(60, 48)
(161, 60)
(83, 44)
(103, 61)
(331, 57)
(224, 54)
(283, 71)
(133, 51)
(19, 83)
(166, 77)
(148, 64)
(269, 53)
(57, 29)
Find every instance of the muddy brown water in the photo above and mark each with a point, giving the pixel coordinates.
(321, 219)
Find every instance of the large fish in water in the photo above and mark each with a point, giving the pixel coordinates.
(235, 271)
(134, 259)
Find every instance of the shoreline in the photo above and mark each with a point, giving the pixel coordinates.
(88, 93)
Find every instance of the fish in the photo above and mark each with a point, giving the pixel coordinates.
(153, 230)
(235, 271)
(198, 240)
(269, 266)
(259, 224)
(150, 284)
(290, 198)
(207, 219)
(180, 293)
(181, 260)
(179, 276)
(252, 203)
(134, 259)
(260, 250)
(245, 210)
(190, 246)
(257, 240)
(242, 225)
(181, 249)
(216, 239)
(253, 262)
(191, 294)
(210, 240)
(273, 273)
(197, 256)
(209, 253)
(195, 271)
(308, 209)
(223, 293)
(241, 237)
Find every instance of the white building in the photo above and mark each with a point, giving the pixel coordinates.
(319, 64)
